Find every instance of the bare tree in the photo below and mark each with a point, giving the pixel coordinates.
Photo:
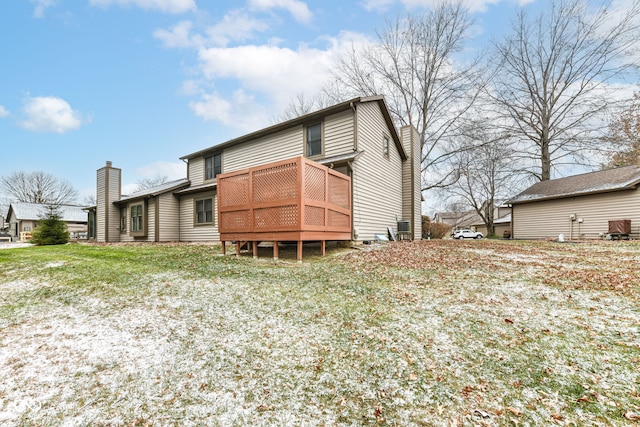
(37, 187)
(553, 77)
(301, 105)
(624, 135)
(146, 183)
(89, 200)
(486, 172)
(413, 66)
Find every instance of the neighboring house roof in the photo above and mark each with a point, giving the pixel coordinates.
(24, 211)
(617, 179)
(156, 190)
(503, 220)
(310, 118)
(459, 219)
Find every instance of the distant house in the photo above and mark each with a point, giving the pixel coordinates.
(471, 220)
(23, 218)
(356, 138)
(578, 207)
(500, 226)
(457, 220)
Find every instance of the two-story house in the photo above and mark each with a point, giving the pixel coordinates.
(356, 138)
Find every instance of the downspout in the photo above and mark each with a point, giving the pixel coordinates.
(180, 203)
(413, 186)
(350, 167)
(355, 126)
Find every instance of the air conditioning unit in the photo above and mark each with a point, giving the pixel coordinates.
(404, 229)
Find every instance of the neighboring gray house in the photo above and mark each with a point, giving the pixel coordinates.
(23, 218)
(457, 220)
(578, 207)
(356, 138)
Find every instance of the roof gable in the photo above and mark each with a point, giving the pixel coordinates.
(310, 118)
(608, 180)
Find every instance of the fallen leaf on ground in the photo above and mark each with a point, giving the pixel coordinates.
(632, 416)
(514, 411)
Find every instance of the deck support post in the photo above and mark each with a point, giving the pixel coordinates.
(238, 246)
(255, 249)
(299, 251)
(224, 249)
(275, 250)
(323, 247)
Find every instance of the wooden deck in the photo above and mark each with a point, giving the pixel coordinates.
(291, 200)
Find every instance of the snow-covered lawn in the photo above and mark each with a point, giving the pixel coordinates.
(424, 333)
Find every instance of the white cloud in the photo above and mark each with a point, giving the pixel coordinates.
(172, 170)
(242, 112)
(235, 26)
(179, 36)
(166, 6)
(41, 6)
(266, 78)
(298, 9)
(3, 112)
(275, 71)
(50, 114)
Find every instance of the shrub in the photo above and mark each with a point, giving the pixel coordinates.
(434, 230)
(50, 230)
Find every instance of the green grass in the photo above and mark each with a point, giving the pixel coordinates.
(424, 333)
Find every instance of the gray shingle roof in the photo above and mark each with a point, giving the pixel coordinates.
(158, 189)
(623, 178)
(35, 212)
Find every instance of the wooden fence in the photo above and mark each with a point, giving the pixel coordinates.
(290, 200)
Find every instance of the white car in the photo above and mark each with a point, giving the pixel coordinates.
(467, 234)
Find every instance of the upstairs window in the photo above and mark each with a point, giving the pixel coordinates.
(212, 166)
(314, 140)
(385, 147)
(204, 211)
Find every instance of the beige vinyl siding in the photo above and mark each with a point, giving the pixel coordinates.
(544, 219)
(196, 170)
(338, 139)
(189, 232)
(338, 134)
(377, 181)
(114, 212)
(149, 218)
(152, 205)
(169, 217)
(272, 148)
(411, 182)
(108, 215)
(125, 237)
(498, 229)
(100, 205)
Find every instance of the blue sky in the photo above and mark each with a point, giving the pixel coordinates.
(144, 82)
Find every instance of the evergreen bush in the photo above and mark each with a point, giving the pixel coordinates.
(51, 230)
